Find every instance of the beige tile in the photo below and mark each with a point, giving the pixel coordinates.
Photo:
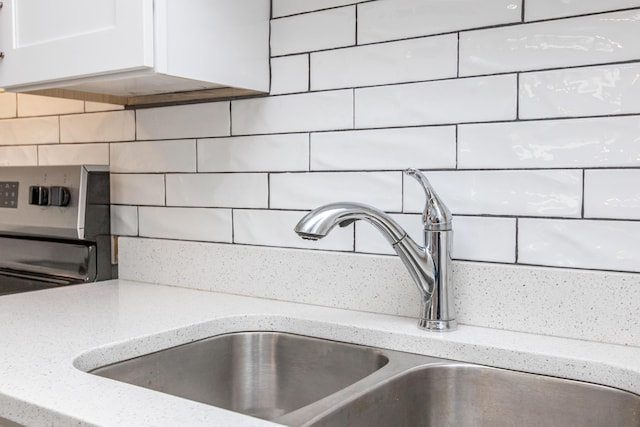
(98, 127)
(73, 154)
(28, 131)
(34, 105)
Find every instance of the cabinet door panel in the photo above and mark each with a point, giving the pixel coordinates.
(45, 41)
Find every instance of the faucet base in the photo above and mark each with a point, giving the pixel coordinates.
(438, 325)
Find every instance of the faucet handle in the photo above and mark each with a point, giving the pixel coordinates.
(436, 216)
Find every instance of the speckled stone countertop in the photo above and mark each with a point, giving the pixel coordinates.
(49, 338)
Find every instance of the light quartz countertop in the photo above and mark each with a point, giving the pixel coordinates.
(50, 338)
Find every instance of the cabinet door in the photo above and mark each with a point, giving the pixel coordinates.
(48, 41)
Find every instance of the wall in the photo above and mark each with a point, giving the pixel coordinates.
(524, 117)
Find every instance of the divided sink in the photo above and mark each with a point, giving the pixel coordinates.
(262, 374)
(303, 381)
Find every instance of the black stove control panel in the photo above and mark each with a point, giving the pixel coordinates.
(49, 196)
(9, 194)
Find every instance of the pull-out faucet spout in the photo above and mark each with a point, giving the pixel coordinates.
(429, 266)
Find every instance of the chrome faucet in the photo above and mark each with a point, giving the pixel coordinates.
(429, 266)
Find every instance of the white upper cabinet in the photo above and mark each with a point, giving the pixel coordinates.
(135, 51)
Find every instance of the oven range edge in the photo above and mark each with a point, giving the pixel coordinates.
(54, 226)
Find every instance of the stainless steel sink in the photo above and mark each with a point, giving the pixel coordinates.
(475, 396)
(263, 374)
(303, 381)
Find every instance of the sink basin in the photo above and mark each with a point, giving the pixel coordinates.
(303, 381)
(470, 395)
(263, 374)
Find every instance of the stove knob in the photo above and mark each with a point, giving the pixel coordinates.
(38, 195)
(59, 196)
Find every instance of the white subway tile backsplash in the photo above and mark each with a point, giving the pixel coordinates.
(419, 147)
(327, 29)
(36, 130)
(289, 74)
(8, 108)
(427, 58)
(310, 190)
(292, 7)
(73, 154)
(476, 238)
(595, 142)
(589, 91)
(547, 9)
(154, 156)
(268, 153)
(530, 193)
(606, 245)
(536, 116)
(137, 189)
(196, 224)
(595, 39)
(23, 155)
(98, 127)
(331, 110)
(384, 20)
(475, 99)
(34, 105)
(275, 228)
(183, 121)
(612, 194)
(124, 220)
(240, 190)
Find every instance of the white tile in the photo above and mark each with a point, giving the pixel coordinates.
(98, 127)
(448, 101)
(289, 74)
(332, 110)
(292, 7)
(37, 130)
(314, 31)
(484, 239)
(195, 224)
(531, 193)
(8, 108)
(398, 19)
(311, 190)
(73, 154)
(603, 245)
(474, 238)
(246, 190)
(124, 220)
(34, 105)
(275, 228)
(137, 189)
(546, 9)
(93, 107)
(612, 194)
(602, 90)
(427, 58)
(595, 39)
(154, 156)
(593, 142)
(263, 153)
(183, 121)
(24, 155)
(419, 147)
